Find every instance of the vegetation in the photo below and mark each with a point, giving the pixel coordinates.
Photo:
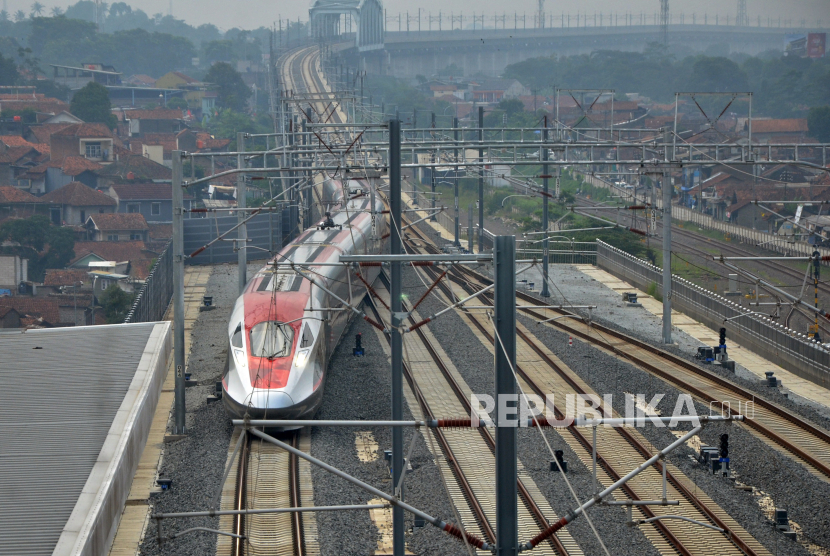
(116, 303)
(231, 90)
(92, 104)
(45, 245)
(783, 86)
(818, 120)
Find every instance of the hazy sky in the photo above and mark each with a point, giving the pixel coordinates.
(255, 13)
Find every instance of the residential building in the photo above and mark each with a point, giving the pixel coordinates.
(792, 130)
(159, 120)
(117, 227)
(154, 201)
(91, 141)
(13, 270)
(494, 90)
(37, 311)
(196, 94)
(74, 203)
(66, 280)
(133, 168)
(132, 257)
(77, 77)
(57, 173)
(9, 317)
(15, 203)
(16, 161)
(38, 102)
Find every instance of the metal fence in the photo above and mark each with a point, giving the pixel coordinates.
(562, 252)
(152, 300)
(266, 234)
(770, 241)
(779, 344)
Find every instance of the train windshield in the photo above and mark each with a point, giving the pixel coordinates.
(271, 339)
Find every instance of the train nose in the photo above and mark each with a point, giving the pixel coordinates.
(272, 400)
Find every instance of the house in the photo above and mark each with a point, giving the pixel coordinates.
(792, 130)
(117, 227)
(158, 120)
(103, 277)
(154, 201)
(140, 80)
(133, 168)
(35, 101)
(493, 90)
(73, 204)
(57, 173)
(42, 132)
(133, 257)
(38, 311)
(91, 141)
(63, 117)
(13, 270)
(184, 140)
(196, 94)
(11, 141)
(9, 317)
(17, 161)
(15, 203)
(77, 77)
(66, 280)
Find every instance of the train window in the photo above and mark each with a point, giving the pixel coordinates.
(236, 339)
(307, 338)
(271, 339)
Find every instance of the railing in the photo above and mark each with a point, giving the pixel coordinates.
(152, 300)
(771, 242)
(779, 344)
(562, 252)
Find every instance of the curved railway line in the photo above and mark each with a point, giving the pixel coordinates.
(270, 477)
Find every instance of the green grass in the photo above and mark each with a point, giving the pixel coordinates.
(652, 291)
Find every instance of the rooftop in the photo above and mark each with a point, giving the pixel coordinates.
(794, 125)
(146, 192)
(64, 276)
(70, 489)
(77, 194)
(142, 168)
(38, 307)
(112, 250)
(69, 165)
(156, 114)
(85, 130)
(12, 195)
(117, 221)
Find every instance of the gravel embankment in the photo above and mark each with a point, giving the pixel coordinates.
(196, 463)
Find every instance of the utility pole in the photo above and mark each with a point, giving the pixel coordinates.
(667, 290)
(434, 169)
(455, 183)
(178, 295)
(309, 197)
(545, 195)
(664, 20)
(470, 230)
(241, 203)
(504, 305)
(397, 341)
(743, 19)
(481, 181)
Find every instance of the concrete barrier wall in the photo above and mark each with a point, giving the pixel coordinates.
(779, 344)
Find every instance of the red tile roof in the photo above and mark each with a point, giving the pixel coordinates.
(6, 310)
(160, 231)
(44, 131)
(142, 168)
(112, 250)
(70, 165)
(15, 154)
(146, 192)
(77, 194)
(41, 307)
(117, 221)
(65, 276)
(794, 125)
(18, 141)
(11, 195)
(85, 130)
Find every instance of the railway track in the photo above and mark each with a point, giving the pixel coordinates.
(619, 449)
(439, 391)
(787, 276)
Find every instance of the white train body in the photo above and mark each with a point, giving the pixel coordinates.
(283, 329)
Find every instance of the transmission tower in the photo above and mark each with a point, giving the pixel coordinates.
(664, 20)
(540, 15)
(743, 18)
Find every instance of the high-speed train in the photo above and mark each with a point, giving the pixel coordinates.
(284, 328)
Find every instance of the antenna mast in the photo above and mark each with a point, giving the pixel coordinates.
(664, 20)
(540, 14)
(743, 18)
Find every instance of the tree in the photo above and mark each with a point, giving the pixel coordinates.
(19, 15)
(116, 303)
(35, 234)
(177, 102)
(511, 106)
(232, 91)
(92, 104)
(8, 71)
(37, 9)
(818, 120)
(57, 11)
(4, 15)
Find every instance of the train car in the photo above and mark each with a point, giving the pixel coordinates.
(283, 328)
